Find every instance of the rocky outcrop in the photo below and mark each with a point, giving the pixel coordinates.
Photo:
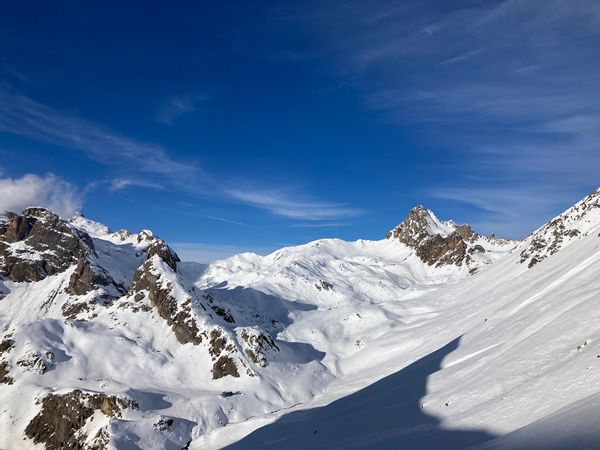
(220, 350)
(37, 244)
(5, 378)
(60, 422)
(157, 281)
(257, 345)
(164, 252)
(88, 277)
(435, 242)
(34, 362)
(440, 251)
(324, 285)
(224, 366)
(441, 243)
(577, 221)
(149, 281)
(5, 347)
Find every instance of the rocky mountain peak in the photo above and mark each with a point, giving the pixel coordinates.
(422, 223)
(38, 243)
(439, 243)
(164, 252)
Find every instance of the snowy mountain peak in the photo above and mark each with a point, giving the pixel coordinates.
(422, 223)
(89, 226)
(580, 220)
(436, 242)
(97, 230)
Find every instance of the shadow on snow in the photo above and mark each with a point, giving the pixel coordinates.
(384, 415)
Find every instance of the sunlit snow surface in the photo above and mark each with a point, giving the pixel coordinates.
(377, 349)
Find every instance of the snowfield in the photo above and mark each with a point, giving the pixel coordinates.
(433, 338)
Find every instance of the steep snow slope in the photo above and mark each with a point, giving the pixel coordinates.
(526, 345)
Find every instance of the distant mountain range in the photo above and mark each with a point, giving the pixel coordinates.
(434, 337)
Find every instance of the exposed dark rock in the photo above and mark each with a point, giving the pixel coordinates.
(59, 423)
(87, 278)
(467, 233)
(225, 315)
(442, 251)
(217, 343)
(414, 229)
(257, 345)
(163, 424)
(224, 366)
(6, 345)
(4, 377)
(434, 249)
(164, 252)
(550, 238)
(36, 363)
(548, 242)
(180, 318)
(324, 285)
(72, 310)
(477, 249)
(58, 245)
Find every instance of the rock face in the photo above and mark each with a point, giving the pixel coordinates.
(257, 345)
(150, 280)
(59, 424)
(441, 243)
(164, 252)
(37, 244)
(5, 347)
(224, 366)
(578, 221)
(435, 242)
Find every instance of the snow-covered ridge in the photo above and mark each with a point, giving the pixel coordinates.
(98, 230)
(581, 220)
(111, 336)
(112, 306)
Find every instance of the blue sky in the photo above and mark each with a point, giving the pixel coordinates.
(233, 126)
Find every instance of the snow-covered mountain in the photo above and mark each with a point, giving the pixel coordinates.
(434, 337)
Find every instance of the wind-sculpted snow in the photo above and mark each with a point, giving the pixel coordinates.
(326, 345)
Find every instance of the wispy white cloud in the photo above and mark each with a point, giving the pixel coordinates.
(48, 191)
(118, 184)
(504, 206)
(146, 164)
(234, 222)
(283, 204)
(25, 117)
(509, 89)
(178, 106)
(462, 57)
